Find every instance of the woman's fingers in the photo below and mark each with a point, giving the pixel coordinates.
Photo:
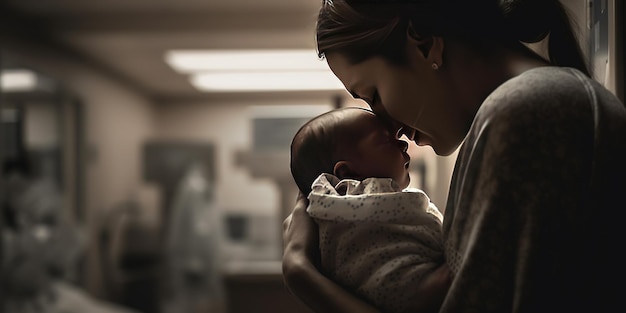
(299, 243)
(301, 203)
(299, 229)
(286, 224)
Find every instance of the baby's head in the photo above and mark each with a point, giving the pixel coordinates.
(348, 142)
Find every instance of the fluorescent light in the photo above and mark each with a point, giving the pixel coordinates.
(266, 81)
(288, 111)
(187, 61)
(254, 70)
(18, 80)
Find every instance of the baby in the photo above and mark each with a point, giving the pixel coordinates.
(376, 238)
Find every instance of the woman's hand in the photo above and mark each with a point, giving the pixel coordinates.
(303, 279)
(300, 238)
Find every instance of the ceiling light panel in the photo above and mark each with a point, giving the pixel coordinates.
(266, 81)
(187, 61)
(18, 80)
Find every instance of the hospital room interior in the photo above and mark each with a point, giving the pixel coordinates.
(145, 148)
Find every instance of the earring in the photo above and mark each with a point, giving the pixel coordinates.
(435, 66)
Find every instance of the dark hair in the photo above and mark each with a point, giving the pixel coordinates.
(316, 147)
(361, 29)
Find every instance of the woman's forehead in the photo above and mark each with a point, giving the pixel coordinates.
(356, 78)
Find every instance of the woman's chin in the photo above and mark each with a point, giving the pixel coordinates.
(444, 150)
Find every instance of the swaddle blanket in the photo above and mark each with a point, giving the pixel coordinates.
(375, 238)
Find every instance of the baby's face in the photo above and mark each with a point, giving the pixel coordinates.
(378, 153)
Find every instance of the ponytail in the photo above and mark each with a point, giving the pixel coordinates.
(532, 20)
(362, 28)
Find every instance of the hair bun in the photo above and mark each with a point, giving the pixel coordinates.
(529, 20)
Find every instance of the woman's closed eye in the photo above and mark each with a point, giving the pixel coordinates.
(377, 107)
(374, 99)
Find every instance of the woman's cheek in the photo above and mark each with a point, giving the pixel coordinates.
(405, 111)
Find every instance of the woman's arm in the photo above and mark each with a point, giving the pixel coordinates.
(303, 279)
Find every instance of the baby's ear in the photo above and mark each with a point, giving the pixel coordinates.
(343, 170)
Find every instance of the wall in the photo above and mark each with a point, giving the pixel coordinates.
(117, 121)
(228, 126)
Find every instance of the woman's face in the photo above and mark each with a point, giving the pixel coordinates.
(412, 98)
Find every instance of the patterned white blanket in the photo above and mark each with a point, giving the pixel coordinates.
(376, 239)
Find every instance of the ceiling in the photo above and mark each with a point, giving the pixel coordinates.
(129, 38)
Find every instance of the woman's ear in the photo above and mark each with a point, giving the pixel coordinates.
(343, 170)
(430, 47)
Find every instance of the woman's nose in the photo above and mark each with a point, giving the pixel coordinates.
(403, 145)
(396, 128)
(404, 131)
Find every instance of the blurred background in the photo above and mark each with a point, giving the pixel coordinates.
(144, 148)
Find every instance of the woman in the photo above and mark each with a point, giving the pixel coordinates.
(532, 218)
